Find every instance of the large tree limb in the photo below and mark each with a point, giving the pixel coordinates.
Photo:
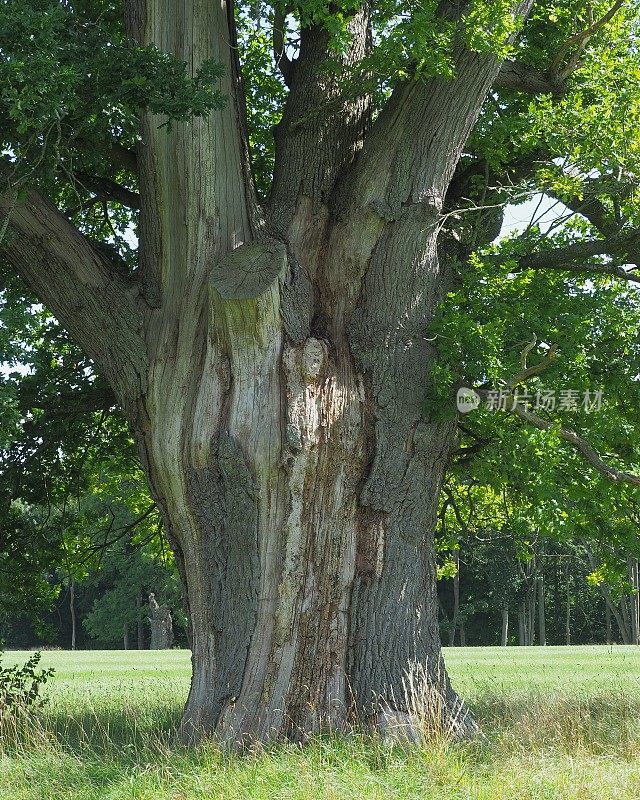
(523, 78)
(404, 161)
(572, 257)
(95, 304)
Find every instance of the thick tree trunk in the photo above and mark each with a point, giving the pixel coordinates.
(305, 602)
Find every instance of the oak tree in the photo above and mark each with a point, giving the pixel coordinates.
(306, 182)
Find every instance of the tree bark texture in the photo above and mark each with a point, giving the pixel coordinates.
(272, 363)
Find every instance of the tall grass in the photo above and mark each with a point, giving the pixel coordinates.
(554, 732)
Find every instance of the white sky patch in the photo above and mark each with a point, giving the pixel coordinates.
(538, 210)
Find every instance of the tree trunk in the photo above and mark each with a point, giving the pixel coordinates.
(617, 610)
(607, 613)
(522, 634)
(530, 604)
(125, 636)
(456, 599)
(567, 621)
(542, 622)
(139, 622)
(273, 365)
(72, 611)
(504, 640)
(625, 617)
(634, 601)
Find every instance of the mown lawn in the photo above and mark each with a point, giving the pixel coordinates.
(559, 723)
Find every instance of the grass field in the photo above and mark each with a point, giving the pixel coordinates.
(559, 723)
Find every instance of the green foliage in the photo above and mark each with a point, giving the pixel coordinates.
(125, 579)
(70, 74)
(20, 686)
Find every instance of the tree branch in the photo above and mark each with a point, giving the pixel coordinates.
(279, 53)
(614, 245)
(595, 269)
(119, 155)
(580, 444)
(591, 455)
(580, 40)
(107, 189)
(96, 304)
(570, 257)
(523, 78)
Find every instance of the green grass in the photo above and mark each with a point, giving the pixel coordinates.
(559, 722)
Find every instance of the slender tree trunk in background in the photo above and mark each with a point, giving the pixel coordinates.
(607, 613)
(616, 609)
(504, 641)
(634, 601)
(456, 599)
(72, 610)
(272, 363)
(125, 636)
(618, 612)
(627, 632)
(140, 622)
(463, 636)
(530, 603)
(522, 634)
(542, 622)
(567, 621)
